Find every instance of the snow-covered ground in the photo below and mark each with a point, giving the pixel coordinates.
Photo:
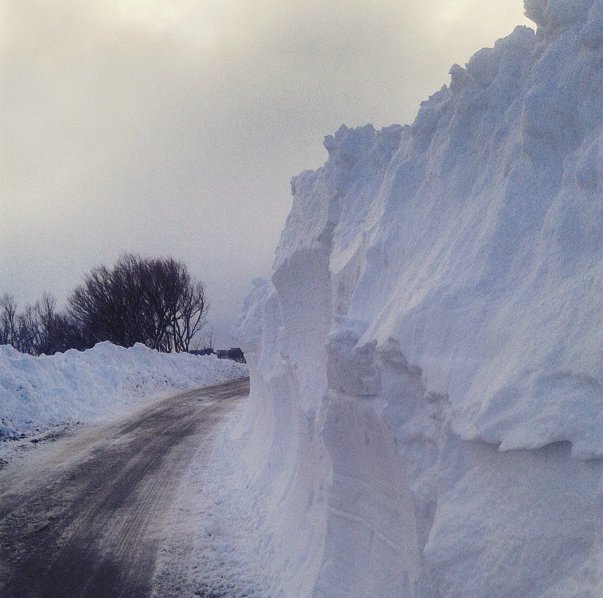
(216, 506)
(37, 393)
(427, 360)
(426, 363)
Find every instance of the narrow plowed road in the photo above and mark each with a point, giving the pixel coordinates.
(85, 516)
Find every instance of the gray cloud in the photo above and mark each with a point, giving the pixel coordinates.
(173, 127)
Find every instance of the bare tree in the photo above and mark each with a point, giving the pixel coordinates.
(178, 303)
(140, 300)
(39, 328)
(8, 320)
(151, 301)
(54, 331)
(27, 337)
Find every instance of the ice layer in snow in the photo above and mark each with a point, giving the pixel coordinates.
(38, 392)
(427, 360)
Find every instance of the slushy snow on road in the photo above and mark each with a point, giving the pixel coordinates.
(426, 416)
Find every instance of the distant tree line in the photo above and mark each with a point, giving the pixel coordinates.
(154, 301)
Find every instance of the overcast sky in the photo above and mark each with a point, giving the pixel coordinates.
(173, 127)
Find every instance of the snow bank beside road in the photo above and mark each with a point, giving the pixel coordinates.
(427, 360)
(38, 392)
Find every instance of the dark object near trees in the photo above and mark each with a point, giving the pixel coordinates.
(234, 353)
(140, 300)
(208, 351)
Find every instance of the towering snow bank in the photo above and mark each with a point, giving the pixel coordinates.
(427, 362)
(37, 392)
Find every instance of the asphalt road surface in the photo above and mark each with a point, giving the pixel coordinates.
(84, 516)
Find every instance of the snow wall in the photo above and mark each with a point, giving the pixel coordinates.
(427, 361)
(39, 392)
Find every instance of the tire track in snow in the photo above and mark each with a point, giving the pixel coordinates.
(86, 518)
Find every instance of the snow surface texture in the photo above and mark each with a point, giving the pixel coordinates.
(427, 361)
(39, 392)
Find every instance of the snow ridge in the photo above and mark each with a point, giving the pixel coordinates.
(426, 363)
(39, 392)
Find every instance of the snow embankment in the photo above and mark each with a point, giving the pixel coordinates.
(427, 361)
(38, 392)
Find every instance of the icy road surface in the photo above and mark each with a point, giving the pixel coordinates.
(87, 515)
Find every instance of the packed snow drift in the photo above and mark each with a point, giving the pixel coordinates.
(39, 392)
(427, 360)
